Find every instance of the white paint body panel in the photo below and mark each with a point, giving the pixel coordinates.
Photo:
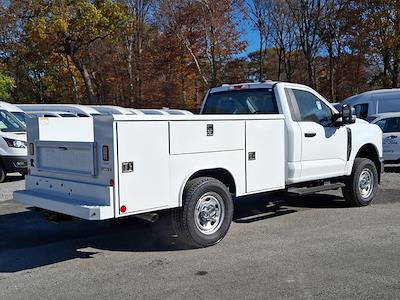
(146, 145)
(191, 136)
(266, 171)
(54, 129)
(324, 155)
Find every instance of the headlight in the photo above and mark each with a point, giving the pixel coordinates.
(15, 143)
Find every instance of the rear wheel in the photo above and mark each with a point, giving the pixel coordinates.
(362, 185)
(206, 214)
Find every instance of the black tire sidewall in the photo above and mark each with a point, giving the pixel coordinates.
(2, 173)
(191, 199)
(363, 164)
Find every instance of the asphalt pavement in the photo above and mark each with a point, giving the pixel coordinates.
(277, 247)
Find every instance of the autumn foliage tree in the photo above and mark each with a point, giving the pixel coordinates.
(155, 53)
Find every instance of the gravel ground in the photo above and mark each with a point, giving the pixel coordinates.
(13, 182)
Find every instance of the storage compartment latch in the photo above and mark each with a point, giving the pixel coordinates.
(127, 167)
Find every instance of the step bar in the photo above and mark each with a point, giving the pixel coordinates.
(311, 190)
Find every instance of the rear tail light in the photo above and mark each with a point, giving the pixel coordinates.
(106, 153)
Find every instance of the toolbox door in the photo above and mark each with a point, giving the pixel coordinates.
(143, 162)
(265, 155)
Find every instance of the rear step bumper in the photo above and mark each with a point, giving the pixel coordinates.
(69, 206)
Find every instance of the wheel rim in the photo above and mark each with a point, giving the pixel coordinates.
(366, 183)
(209, 213)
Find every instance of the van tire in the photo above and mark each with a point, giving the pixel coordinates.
(356, 192)
(3, 173)
(206, 214)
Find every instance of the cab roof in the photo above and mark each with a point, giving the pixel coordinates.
(247, 85)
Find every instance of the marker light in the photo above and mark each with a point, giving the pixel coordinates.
(123, 209)
(105, 152)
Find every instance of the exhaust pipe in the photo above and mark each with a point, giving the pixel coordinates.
(149, 217)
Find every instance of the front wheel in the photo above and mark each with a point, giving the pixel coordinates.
(206, 214)
(362, 185)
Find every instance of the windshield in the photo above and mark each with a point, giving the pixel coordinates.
(248, 101)
(9, 123)
(21, 116)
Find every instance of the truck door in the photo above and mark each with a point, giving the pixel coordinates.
(323, 146)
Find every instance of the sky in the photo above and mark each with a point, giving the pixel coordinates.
(250, 36)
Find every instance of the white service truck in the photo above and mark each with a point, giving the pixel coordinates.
(250, 138)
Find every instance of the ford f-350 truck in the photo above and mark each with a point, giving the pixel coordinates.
(250, 138)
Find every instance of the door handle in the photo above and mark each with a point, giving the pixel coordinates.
(310, 134)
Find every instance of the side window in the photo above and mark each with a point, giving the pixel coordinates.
(392, 125)
(312, 109)
(361, 110)
(381, 124)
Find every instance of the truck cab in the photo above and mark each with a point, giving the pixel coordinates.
(318, 145)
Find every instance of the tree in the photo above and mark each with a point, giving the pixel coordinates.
(308, 15)
(258, 12)
(7, 84)
(70, 28)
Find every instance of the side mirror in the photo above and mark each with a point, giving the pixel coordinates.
(348, 114)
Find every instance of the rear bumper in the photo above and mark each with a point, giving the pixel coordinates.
(71, 207)
(14, 164)
(81, 200)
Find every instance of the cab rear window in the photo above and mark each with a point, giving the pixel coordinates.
(248, 101)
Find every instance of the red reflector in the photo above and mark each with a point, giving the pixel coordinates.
(123, 208)
(111, 183)
(237, 87)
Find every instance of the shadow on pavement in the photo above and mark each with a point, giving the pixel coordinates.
(393, 169)
(28, 241)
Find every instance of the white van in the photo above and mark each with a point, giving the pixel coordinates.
(375, 102)
(112, 110)
(150, 111)
(13, 152)
(15, 110)
(79, 110)
(51, 114)
(390, 125)
(172, 111)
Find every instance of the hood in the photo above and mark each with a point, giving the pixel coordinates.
(361, 121)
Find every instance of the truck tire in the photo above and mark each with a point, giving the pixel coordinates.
(206, 214)
(362, 185)
(2, 173)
